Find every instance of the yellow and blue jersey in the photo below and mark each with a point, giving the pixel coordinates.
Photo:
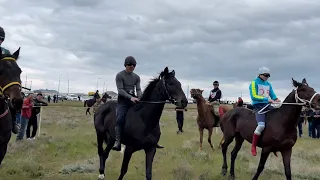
(260, 91)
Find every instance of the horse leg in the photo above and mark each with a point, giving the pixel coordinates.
(125, 162)
(209, 137)
(103, 154)
(263, 159)
(221, 141)
(234, 153)
(4, 145)
(201, 137)
(149, 160)
(286, 157)
(89, 111)
(226, 143)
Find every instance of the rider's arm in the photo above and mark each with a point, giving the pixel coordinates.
(138, 87)
(272, 94)
(253, 93)
(121, 91)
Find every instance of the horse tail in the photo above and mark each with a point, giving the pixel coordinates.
(102, 111)
(228, 118)
(85, 102)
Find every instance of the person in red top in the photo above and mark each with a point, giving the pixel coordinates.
(25, 115)
(240, 102)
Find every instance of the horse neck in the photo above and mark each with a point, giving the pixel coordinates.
(201, 104)
(291, 112)
(152, 111)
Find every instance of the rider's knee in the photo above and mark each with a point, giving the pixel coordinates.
(260, 128)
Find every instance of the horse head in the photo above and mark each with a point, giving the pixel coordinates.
(172, 88)
(10, 82)
(196, 93)
(306, 94)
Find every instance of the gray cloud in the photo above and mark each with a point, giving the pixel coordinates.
(203, 41)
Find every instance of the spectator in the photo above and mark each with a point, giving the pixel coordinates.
(301, 120)
(25, 115)
(180, 119)
(49, 98)
(316, 124)
(33, 119)
(310, 119)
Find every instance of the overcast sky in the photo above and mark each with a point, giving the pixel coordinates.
(202, 40)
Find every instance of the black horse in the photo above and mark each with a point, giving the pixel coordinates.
(10, 96)
(89, 103)
(141, 129)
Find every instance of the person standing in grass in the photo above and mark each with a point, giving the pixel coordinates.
(310, 120)
(180, 119)
(301, 121)
(25, 115)
(34, 119)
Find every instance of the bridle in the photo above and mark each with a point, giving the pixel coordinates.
(6, 111)
(171, 100)
(3, 88)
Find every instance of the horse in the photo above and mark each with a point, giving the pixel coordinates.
(10, 92)
(141, 130)
(280, 133)
(206, 119)
(92, 101)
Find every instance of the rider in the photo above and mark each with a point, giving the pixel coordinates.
(260, 90)
(126, 81)
(14, 113)
(214, 98)
(240, 102)
(2, 37)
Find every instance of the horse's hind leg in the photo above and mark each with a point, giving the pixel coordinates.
(234, 153)
(3, 151)
(125, 162)
(149, 160)
(209, 137)
(103, 154)
(224, 148)
(286, 157)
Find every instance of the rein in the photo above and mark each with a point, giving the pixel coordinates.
(2, 89)
(5, 112)
(171, 100)
(304, 102)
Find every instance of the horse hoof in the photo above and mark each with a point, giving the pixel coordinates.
(101, 177)
(223, 172)
(232, 177)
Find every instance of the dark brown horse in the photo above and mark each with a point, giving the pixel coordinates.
(206, 118)
(10, 87)
(280, 133)
(89, 103)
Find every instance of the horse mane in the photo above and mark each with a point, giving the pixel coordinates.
(149, 88)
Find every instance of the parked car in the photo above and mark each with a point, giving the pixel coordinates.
(72, 97)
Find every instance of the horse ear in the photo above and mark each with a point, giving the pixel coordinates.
(166, 71)
(16, 54)
(173, 72)
(295, 83)
(201, 91)
(304, 81)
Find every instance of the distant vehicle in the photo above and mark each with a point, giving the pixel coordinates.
(190, 101)
(84, 98)
(72, 97)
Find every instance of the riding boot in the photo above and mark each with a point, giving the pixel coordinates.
(159, 146)
(117, 145)
(15, 126)
(254, 144)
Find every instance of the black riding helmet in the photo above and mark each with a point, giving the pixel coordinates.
(216, 83)
(2, 33)
(130, 60)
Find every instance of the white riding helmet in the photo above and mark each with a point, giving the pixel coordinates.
(263, 70)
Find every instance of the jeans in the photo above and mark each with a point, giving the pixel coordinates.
(121, 112)
(316, 128)
(310, 128)
(24, 123)
(261, 117)
(18, 118)
(300, 122)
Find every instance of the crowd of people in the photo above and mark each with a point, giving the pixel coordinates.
(27, 117)
(313, 118)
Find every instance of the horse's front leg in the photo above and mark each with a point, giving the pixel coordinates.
(286, 157)
(263, 159)
(125, 162)
(150, 152)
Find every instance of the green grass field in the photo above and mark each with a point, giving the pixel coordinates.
(66, 149)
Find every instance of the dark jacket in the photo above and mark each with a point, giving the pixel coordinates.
(215, 95)
(36, 110)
